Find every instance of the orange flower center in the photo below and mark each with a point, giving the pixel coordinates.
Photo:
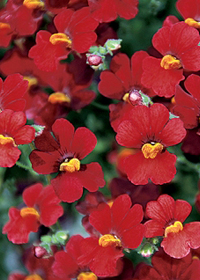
(71, 166)
(192, 22)
(87, 276)
(176, 227)
(59, 38)
(6, 140)
(109, 240)
(170, 62)
(4, 25)
(32, 81)
(33, 277)
(151, 151)
(59, 98)
(33, 4)
(26, 211)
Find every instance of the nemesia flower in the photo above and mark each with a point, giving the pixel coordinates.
(165, 267)
(166, 219)
(63, 154)
(119, 227)
(105, 11)
(75, 33)
(13, 132)
(179, 47)
(11, 23)
(187, 106)
(67, 266)
(12, 91)
(123, 82)
(191, 13)
(41, 209)
(149, 130)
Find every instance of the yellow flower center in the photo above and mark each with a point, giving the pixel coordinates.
(4, 25)
(170, 62)
(33, 4)
(32, 81)
(6, 140)
(151, 151)
(126, 97)
(33, 277)
(26, 211)
(109, 240)
(192, 22)
(59, 97)
(176, 227)
(71, 166)
(59, 38)
(87, 276)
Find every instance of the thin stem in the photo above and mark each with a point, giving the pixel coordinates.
(99, 106)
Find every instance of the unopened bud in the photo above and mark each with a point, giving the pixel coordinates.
(94, 60)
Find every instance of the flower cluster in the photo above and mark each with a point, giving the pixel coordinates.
(99, 148)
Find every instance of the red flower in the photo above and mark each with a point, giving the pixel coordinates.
(190, 13)
(187, 106)
(150, 131)
(67, 266)
(63, 154)
(165, 267)
(167, 217)
(179, 47)
(106, 11)
(119, 228)
(41, 209)
(75, 32)
(11, 23)
(11, 92)
(123, 82)
(13, 132)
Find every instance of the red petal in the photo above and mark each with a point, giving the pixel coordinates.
(159, 170)
(84, 142)
(64, 265)
(154, 228)
(163, 82)
(30, 195)
(68, 186)
(133, 237)
(182, 210)
(110, 85)
(64, 133)
(101, 219)
(119, 209)
(173, 133)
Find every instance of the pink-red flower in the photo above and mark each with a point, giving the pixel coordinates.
(180, 51)
(13, 132)
(166, 220)
(164, 267)
(191, 13)
(75, 33)
(123, 82)
(11, 23)
(149, 130)
(63, 154)
(106, 11)
(41, 209)
(119, 227)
